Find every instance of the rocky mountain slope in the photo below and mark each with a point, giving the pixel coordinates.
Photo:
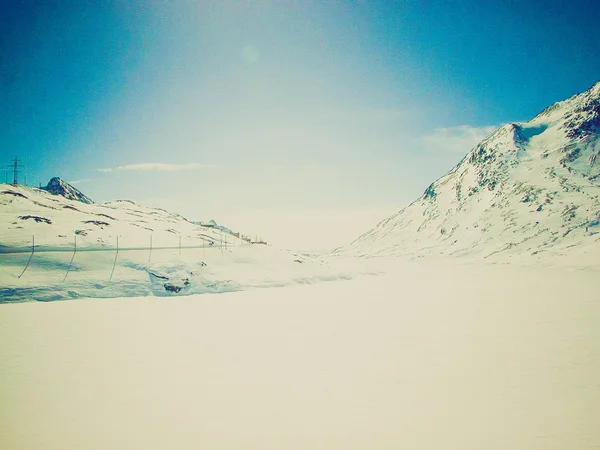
(57, 186)
(528, 190)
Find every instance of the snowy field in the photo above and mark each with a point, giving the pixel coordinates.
(427, 356)
(52, 276)
(121, 249)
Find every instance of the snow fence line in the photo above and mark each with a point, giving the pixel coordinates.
(75, 249)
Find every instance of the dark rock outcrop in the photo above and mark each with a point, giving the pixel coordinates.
(57, 186)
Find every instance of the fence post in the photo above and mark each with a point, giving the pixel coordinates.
(30, 256)
(150, 255)
(115, 261)
(180, 244)
(72, 258)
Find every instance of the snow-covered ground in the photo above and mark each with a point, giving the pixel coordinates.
(58, 275)
(149, 260)
(57, 222)
(428, 356)
(468, 320)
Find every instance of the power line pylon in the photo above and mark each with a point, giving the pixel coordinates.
(16, 167)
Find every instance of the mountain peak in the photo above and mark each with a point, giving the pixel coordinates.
(58, 186)
(528, 189)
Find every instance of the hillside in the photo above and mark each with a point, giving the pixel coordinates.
(120, 248)
(528, 192)
(55, 220)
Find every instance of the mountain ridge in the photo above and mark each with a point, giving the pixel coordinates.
(529, 188)
(57, 186)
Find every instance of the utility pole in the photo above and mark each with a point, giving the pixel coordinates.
(16, 166)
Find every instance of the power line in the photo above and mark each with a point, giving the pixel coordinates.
(16, 167)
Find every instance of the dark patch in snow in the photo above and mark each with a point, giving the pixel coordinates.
(38, 219)
(172, 288)
(16, 194)
(97, 222)
(429, 192)
(571, 156)
(105, 215)
(44, 206)
(139, 226)
(162, 277)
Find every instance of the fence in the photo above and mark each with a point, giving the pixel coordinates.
(36, 249)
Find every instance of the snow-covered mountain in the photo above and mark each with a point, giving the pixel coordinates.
(56, 216)
(57, 186)
(528, 190)
(120, 248)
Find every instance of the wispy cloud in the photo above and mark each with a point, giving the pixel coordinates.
(83, 180)
(158, 166)
(458, 139)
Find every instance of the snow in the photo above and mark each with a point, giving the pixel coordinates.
(210, 260)
(429, 356)
(467, 320)
(95, 225)
(529, 192)
(139, 272)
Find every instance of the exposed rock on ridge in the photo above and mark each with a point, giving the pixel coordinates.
(57, 186)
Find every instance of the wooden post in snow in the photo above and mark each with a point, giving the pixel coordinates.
(115, 261)
(72, 258)
(30, 256)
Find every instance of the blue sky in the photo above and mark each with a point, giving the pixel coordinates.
(321, 117)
